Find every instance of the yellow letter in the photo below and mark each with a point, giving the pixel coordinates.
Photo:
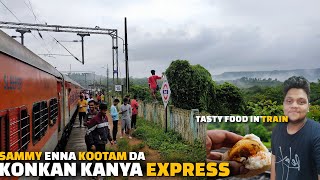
(81, 156)
(2, 156)
(224, 169)
(90, 156)
(285, 119)
(151, 169)
(275, 118)
(200, 169)
(212, 169)
(29, 156)
(10, 156)
(19, 156)
(163, 169)
(188, 169)
(175, 168)
(38, 154)
(122, 156)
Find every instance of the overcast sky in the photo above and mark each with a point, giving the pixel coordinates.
(221, 35)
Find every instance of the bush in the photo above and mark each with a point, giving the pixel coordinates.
(171, 145)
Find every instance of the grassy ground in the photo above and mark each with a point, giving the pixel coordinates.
(171, 146)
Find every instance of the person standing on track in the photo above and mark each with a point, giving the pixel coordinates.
(88, 100)
(134, 105)
(89, 135)
(115, 118)
(101, 134)
(82, 106)
(99, 98)
(126, 117)
(102, 97)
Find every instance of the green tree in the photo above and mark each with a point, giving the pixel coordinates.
(142, 92)
(229, 100)
(190, 85)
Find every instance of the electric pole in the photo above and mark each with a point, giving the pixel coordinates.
(82, 35)
(126, 51)
(107, 79)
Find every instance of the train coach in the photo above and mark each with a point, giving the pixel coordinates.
(38, 103)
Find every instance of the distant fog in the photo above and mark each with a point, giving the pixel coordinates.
(281, 75)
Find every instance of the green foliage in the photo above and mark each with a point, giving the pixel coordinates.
(260, 93)
(170, 144)
(264, 108)
(138, 81)
(142, 92)
(190, 85)
(260, 130)
(229, 100)
(267, 144)
(314, 113)
(137, 147)
(123, 145)
(315, 93)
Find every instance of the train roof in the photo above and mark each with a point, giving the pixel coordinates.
(68, 79)
(14, 49)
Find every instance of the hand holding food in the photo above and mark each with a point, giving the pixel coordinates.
(252, 153)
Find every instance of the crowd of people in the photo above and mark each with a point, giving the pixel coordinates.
(93, 116)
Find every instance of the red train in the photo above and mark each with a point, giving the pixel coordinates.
(38, 103)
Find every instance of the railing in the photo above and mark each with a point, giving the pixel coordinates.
(179, 120)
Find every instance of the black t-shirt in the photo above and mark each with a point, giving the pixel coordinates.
(297, 155)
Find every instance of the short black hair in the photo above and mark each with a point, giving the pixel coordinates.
(153, 72)
(116, 100)
(125, 100)
(103, 106)
(92, 101)
(135, 97)
(298, 82)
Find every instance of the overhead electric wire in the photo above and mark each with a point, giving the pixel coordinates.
(31, 9)
(66, 49)
(10, 11)
(20, 22)
(36, 19)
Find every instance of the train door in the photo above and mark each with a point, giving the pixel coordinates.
(60, 104)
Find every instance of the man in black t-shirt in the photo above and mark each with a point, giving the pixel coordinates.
(296, 144)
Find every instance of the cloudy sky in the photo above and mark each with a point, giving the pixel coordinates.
(221, 35)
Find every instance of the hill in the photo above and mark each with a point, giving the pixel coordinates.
(281, 75)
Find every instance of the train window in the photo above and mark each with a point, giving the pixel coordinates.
(44, 118)
(3, 130)
(14, 130)
(53, 111)
(40, 120)
(25, 129)
(36, 122)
